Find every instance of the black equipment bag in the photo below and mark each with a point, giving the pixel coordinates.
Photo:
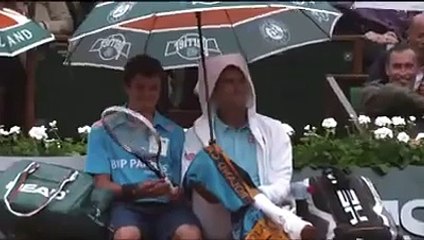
(344, 207)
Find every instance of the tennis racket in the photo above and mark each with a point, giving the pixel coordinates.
(136, 135)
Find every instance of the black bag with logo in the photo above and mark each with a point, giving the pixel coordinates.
(344, 207)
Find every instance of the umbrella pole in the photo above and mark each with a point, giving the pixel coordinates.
(202, 56)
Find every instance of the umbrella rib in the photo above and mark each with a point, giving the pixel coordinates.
(316, 24)
(150, 32)
(333, 25)
(71, 51)
(235, 35)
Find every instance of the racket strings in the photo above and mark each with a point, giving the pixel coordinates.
(131, 133)
(136, 135)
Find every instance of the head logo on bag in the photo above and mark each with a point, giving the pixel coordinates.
(36, 189)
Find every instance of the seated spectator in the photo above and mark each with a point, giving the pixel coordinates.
(397, 97)
(415, 36)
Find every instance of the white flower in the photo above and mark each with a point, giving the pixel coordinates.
(382, 121)
(403, 137)
(288, 129)
(419, 136)
(38, 133)
(84, 130)
(53, 124)
(15, 130)
(362, 119)
(398, 121)
(412, 118)
(329, 123)
(309, 130)
(383, 133)
(3, 132)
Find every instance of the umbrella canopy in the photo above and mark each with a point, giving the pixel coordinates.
(110, 14)
(19, 34)
(406, 6)
(168, 31)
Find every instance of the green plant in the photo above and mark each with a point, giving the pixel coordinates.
(41, 141)
(382, 145)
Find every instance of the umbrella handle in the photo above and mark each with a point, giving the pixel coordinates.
(202, 56)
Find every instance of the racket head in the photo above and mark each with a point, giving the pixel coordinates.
(132, 131)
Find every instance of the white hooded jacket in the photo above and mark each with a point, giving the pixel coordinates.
(274, 150)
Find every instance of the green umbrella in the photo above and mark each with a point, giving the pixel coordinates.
(19, 34)
(116, 31)
(106, 15)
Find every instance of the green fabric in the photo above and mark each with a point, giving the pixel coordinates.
(78, 212)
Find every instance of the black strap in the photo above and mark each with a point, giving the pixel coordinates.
(236, 177)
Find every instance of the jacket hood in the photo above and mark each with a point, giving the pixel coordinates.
(214, 67)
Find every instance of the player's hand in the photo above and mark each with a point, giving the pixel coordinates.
(147, 188)
(160, 188)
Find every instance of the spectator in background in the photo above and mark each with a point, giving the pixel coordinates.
(395, 98)
(415, 37)
(53, 16)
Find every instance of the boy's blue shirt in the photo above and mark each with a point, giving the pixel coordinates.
(104, 156)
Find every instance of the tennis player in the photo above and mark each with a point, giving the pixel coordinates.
(256, 143)
(145, 207)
